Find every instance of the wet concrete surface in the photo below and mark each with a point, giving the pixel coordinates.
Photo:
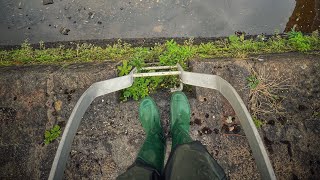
(34, 98)
(69, 20)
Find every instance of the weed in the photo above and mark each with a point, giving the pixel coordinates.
(41, 45)
(124, 69)
(52, 134)
(169, 54)
(156, 51)
(175, 53)
(24, 54)
(257, 122)
(263, 95)
(139, 57)
(298, 41)
(276, 44)
(139, 89)
(118, 51)
(207, 50)
(252, 81)
(3, 57)
(141, 86)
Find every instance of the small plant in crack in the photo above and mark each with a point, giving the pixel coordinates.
(52, 134)
(264, 92)
(124, 69)
(253, 81)
(257, 122)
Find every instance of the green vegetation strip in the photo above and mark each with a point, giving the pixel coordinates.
(168, 53)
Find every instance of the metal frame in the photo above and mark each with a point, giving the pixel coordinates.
(196, 79)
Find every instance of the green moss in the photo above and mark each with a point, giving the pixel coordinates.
(168, 53)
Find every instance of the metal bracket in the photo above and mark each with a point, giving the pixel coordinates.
(163, 73)
(196, 79)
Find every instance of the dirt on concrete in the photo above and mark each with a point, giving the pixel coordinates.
(34, 98)
(290, 135)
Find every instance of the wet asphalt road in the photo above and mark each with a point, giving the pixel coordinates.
(101, 19)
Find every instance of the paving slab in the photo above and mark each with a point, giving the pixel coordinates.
(34, 98)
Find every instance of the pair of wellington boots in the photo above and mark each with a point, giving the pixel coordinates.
(153, 150)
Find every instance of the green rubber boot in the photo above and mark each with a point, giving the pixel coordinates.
(153, 148)
(180, 119)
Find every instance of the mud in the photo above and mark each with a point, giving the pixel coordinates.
(34, 98)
